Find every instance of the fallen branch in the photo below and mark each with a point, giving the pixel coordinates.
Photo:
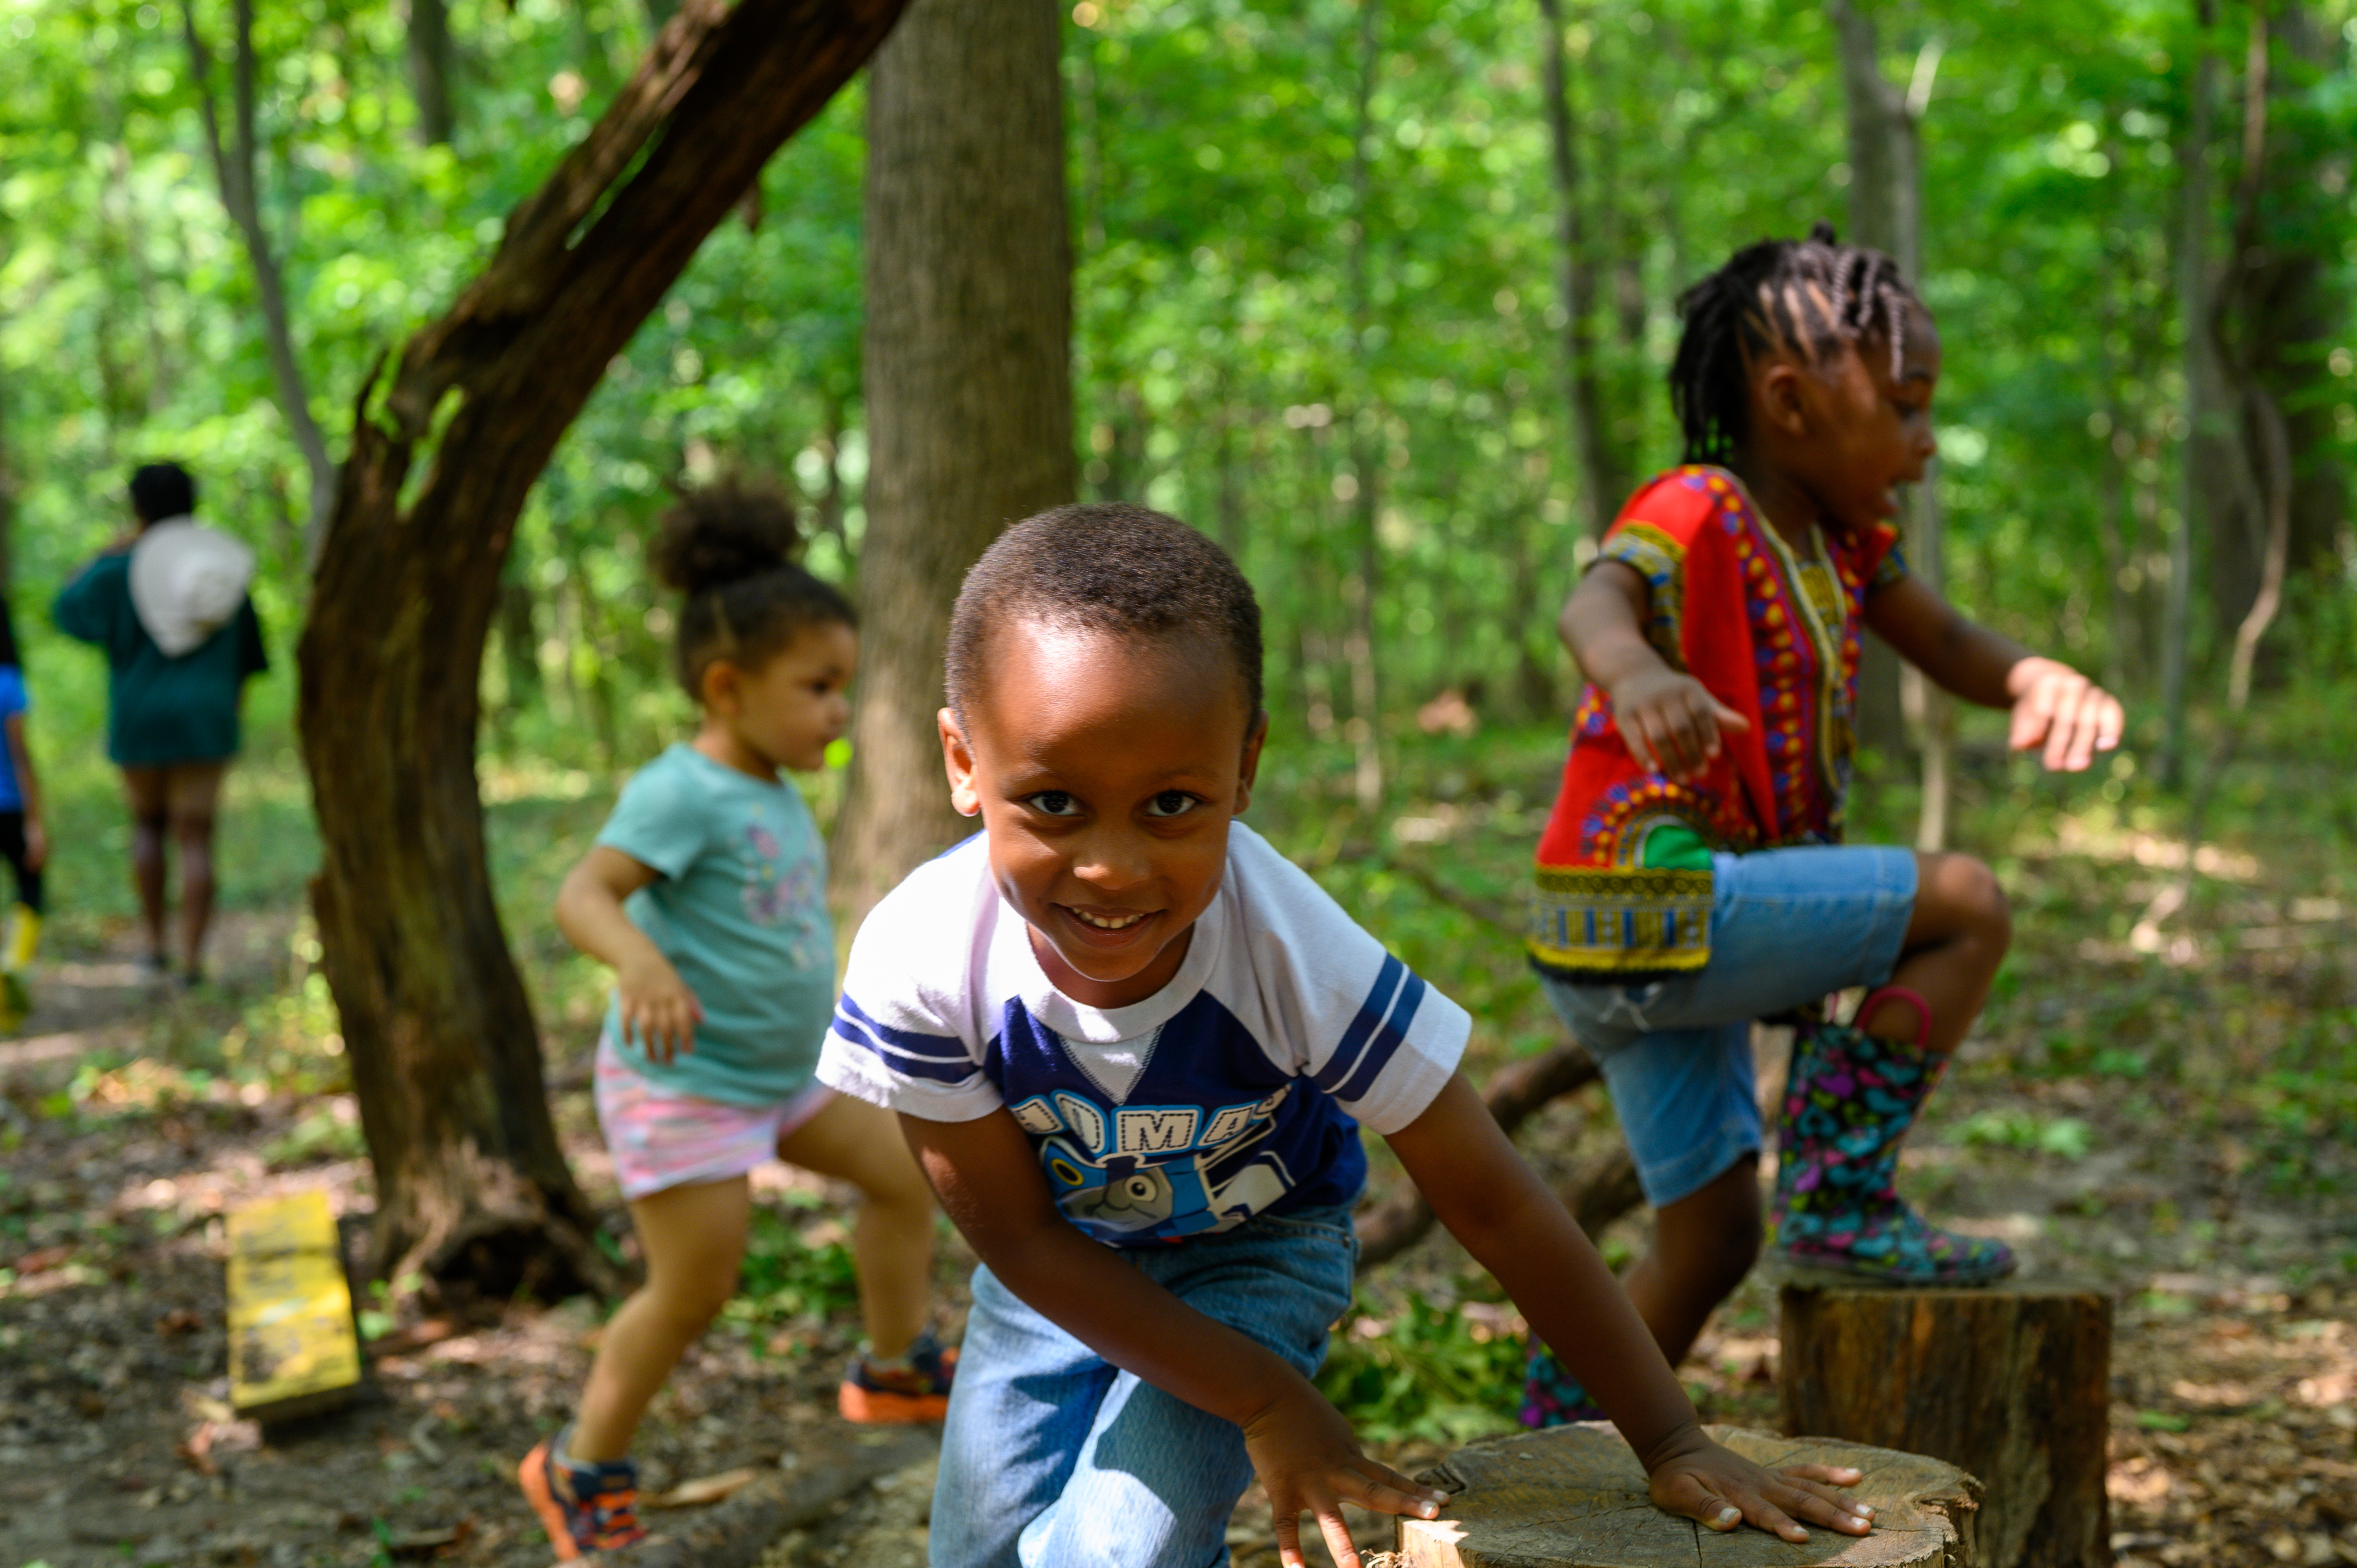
(738, 1532)
(1487, 910)
(1514, 1094)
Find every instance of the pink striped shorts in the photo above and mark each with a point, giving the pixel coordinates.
(659, 1140)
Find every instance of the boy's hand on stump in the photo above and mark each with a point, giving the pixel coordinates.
(1309, 1462)
(1722, 1490)
(658, 1009)
(2061, 710)
(1672, 721)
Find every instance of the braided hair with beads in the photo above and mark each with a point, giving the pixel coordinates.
(1813, 297)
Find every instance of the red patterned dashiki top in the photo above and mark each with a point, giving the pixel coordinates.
(1624, 868)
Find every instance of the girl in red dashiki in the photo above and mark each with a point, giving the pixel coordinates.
(1692, 877)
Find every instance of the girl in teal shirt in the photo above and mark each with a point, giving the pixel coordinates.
(706, 893)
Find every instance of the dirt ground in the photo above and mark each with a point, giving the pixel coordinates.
(2234, 1416)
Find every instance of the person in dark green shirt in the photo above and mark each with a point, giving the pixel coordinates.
(168, 605)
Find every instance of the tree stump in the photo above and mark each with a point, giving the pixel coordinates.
(1574, 1496)
(2012, 1383)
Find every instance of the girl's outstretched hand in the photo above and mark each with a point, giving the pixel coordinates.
(1723, 1490)
(1672, 721)
(658, 1009)
(2070, 716)
(1309, 1461)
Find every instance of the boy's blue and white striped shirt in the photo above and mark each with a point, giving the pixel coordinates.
(1230, 1092)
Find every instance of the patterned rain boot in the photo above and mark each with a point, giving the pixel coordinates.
(1848, 1102)
(1551, 1396)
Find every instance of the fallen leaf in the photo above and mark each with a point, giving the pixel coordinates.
(701, 1492)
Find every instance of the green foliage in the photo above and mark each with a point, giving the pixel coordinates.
(2065, 1137)
(1430, 1374)
(792, 1283)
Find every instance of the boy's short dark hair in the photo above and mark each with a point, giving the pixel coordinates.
(159, 491)
(1106, 567)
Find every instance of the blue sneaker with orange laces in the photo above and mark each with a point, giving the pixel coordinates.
(584, 1508)
(913, 1386)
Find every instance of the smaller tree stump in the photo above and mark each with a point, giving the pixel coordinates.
(2012, 1382)
(1574, 1496)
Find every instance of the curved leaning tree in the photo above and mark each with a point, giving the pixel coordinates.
(471, 1183)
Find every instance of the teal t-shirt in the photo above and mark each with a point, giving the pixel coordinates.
(739, 908)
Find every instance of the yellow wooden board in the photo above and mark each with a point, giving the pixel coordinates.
(292, 1350)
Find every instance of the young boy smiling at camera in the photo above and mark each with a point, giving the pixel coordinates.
(1132, 1045)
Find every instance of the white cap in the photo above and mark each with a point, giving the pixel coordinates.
(187, 580)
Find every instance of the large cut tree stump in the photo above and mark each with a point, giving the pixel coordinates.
(2012, 1383)
(1574, 1496)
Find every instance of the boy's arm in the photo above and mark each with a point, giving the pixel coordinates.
(2053, 705)
(989, 1183)
(29, 789)
(1514, 1227)
(1670, 720)
(658, 1009)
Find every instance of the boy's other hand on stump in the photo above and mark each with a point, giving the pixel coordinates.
(1309, 1462)
(1722, 1490)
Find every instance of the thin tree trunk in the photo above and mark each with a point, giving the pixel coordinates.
(445, 1061)
(1873, 116)
(1898, 708)
(969, 383)
(2204, 393)
(1602, 481)
(1362, 586)
(429, 69)
(233, 168)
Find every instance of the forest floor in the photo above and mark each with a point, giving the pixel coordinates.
(2173, 1119)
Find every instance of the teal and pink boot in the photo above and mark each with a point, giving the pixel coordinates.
(1849, 1099)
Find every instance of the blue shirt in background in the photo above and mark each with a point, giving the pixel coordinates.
(739, 908)
(14, 699)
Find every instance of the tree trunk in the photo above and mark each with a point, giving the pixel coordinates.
(1363, 584)
(1898, 710)
(233, 168)
(1574, 1496)
(969, 383)
(471, 1183)
(1603, 484)
(2012, 1382)
(2283, 315)
(2205, 395)
(429, 69)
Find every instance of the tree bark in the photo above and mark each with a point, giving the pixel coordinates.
(1574, 1496)
(968, 380)
(1603, 483)
(2012, 1382)
(1362, 586)
(471, 1183)
(2278, 316)
(429, 69)
(2205, 395)
(233, 168)
(1898, 710)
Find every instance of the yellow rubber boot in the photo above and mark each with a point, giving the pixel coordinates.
(24, 939)
(15, 957)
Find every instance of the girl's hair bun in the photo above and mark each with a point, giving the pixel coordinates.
(723, 534)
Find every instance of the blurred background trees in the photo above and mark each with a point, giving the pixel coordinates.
(1346, 279)
(1378, 294)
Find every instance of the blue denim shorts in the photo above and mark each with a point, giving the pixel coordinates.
(1052, 1457)
(1788, 927)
